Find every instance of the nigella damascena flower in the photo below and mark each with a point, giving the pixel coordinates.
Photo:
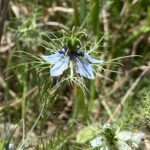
(122, 140)
(81, 62)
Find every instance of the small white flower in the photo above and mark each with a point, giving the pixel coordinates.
(123, 145)
(122, 140)
(11, 146)
(107, 125)
(96, 142)
(99, 142)
(134, 138)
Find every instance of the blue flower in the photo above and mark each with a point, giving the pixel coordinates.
(81, 61)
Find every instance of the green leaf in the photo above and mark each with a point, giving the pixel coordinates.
(86, 134)
(1, 144)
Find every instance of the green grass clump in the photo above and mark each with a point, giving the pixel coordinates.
(136, 110)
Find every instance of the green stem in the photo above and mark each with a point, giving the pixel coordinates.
(82, 10)
(24, 93)
(95, 16)
(7, 73)
(76, 13)
(91, 97)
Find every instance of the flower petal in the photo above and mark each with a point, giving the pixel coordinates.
(93, 60)
(121, 145)
(125, 135)
(59, 67)
(105, 147)
(52, 59)
(97, 142)
(138, 136)
(84, 69)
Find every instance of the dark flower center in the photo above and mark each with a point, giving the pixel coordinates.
(72, 54)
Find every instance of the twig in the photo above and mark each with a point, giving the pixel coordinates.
(24, 141)
(60, 9)
(3, 11)
(54, 24)
(134, 85)
(124, 9)
(7, 47)
(116, 86)
(136, 44)
(105, 16)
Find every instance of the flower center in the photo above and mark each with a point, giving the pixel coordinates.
(72, 54)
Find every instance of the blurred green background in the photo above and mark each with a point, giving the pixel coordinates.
(124, 100)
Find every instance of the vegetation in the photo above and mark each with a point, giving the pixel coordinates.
(42, 112)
